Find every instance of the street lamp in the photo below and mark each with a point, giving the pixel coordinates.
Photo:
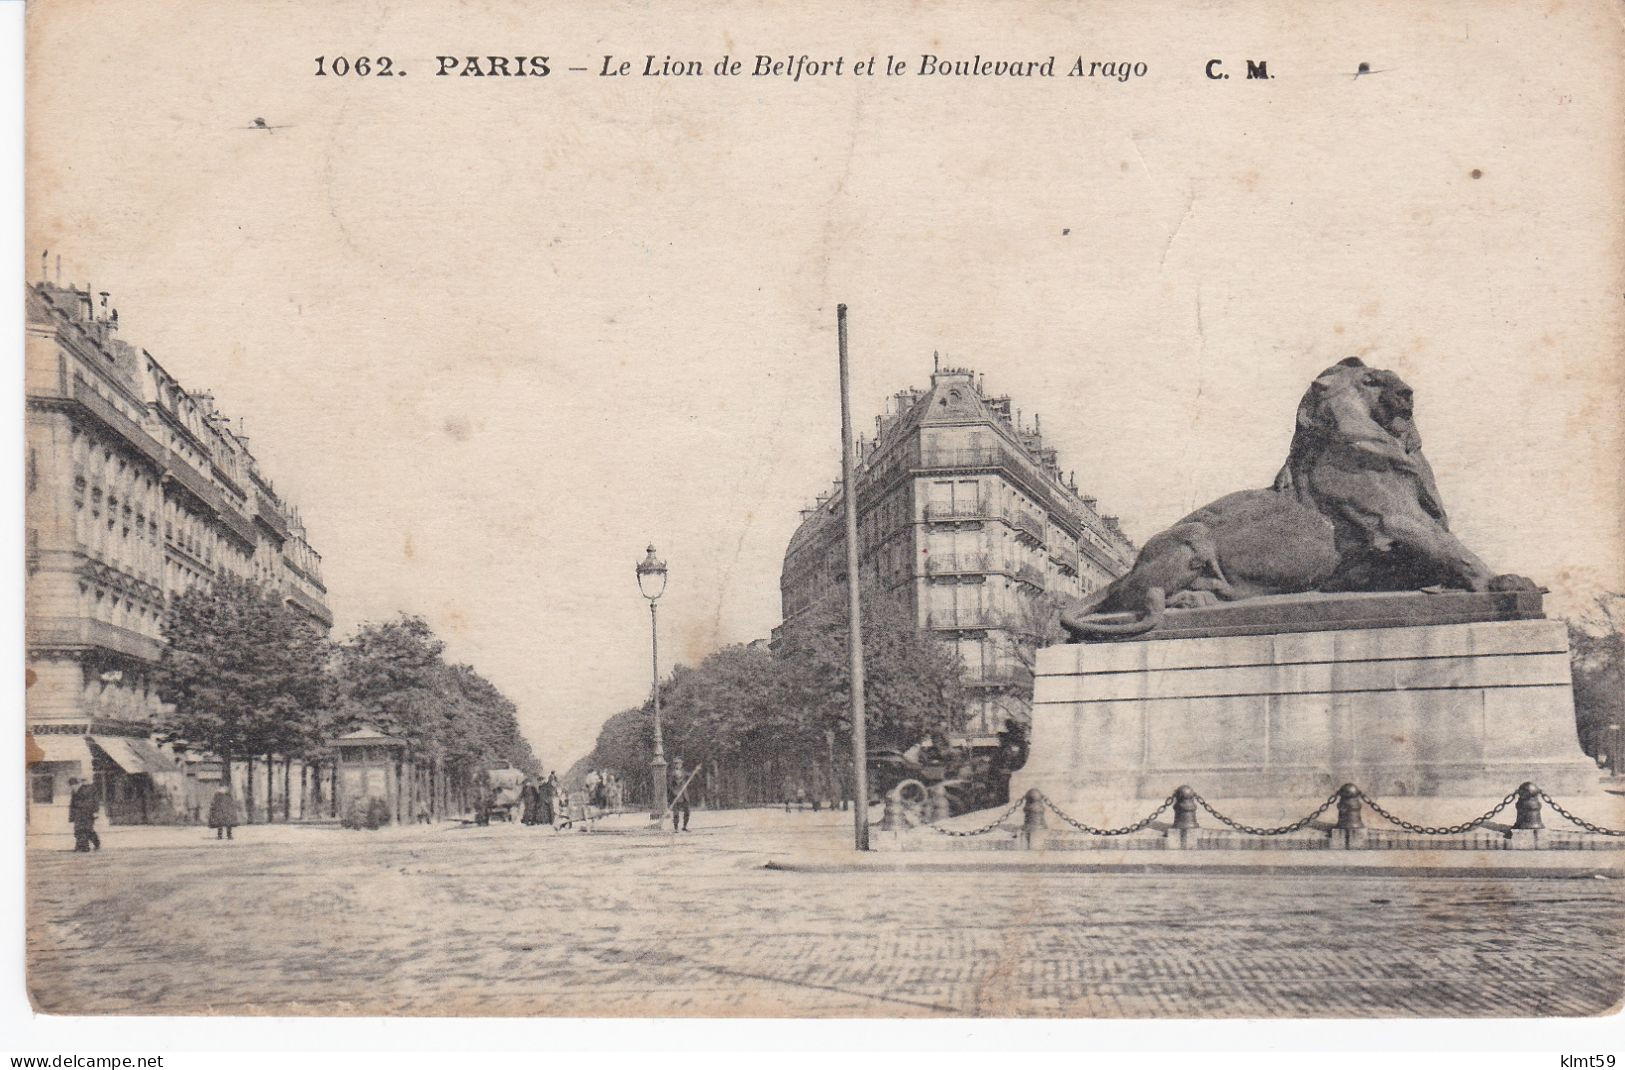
(652, 582)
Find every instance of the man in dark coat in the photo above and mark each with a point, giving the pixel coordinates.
(679, 796)
(530, 796)
(82, 805)
(223, 814)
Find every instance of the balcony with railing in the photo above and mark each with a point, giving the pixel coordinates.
(269, 512)
(958, 511)
(1066, 557)
(950, 564)
(973, 457)
(1026, 525)
(183, 474)
(1031, 576)
(116, 421)
(311, 605)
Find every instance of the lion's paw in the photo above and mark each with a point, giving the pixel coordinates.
(1513, 582)
(1193, 600)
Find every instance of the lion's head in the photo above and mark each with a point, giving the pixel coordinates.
(1351, 401)
(1357, 458)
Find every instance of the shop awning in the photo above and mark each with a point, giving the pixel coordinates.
(134, 755)
(57, 748)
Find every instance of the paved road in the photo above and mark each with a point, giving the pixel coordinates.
(515, 921)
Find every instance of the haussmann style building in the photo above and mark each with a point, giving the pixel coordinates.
(966, 517)
(136, 490)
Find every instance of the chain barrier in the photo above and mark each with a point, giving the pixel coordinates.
(1577, 820)
(1124, 831)
(985, 829)
(1281, 830)
(1302, 823)
(1432, 830)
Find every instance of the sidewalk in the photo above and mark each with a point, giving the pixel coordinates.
(759, 827)
(1371, 863)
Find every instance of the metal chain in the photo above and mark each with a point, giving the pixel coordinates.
(985, 829)
(1296, 826)
(1124, 831)
(1281, 830)
(1582, 822)
(1430, 830)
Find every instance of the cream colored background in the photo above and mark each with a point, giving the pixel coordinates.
(494, 335)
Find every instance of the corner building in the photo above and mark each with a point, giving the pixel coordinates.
(136, 490)
(965, 517)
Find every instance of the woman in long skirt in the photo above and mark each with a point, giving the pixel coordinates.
(544, 803)
(528, 796)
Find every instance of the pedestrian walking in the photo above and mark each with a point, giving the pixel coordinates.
(679, 796)
(82, 805)
(547, 801)
(223, 813)
(530, 799)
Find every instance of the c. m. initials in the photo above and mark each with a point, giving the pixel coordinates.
(1256, 69)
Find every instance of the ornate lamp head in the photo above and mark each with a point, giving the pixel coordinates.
(652, 576)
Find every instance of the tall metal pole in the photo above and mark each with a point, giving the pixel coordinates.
(657, 767)
(854, 642)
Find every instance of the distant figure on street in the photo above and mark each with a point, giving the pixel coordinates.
(223, 813)
(530, 797)
(679, 797)
(82, 804)
(548, 801)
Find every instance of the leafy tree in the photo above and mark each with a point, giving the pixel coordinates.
(913, 682)
(756, 719)
(243, 674)
(394, 676)
(1597, 657)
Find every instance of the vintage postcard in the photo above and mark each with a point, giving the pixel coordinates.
(969, 509)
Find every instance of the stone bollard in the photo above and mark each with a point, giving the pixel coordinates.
(1182, 835)
(936, 805)
(1185, 807)
(1526, 831)
(1350, 830)
(1528, 807)
(1033, 828)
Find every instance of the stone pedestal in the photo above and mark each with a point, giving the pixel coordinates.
(1465, 710)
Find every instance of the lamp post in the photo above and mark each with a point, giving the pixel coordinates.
(652, 583)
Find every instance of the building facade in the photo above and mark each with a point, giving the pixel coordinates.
(966, 518)
(136, 490)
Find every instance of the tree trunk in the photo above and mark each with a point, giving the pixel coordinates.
(287, 789)
(270, 789)
(248, 793)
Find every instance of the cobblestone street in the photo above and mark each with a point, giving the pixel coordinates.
(517, 921)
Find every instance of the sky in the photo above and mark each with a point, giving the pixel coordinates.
(495, 336)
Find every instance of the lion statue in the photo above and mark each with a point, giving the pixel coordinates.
(1355, 508)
